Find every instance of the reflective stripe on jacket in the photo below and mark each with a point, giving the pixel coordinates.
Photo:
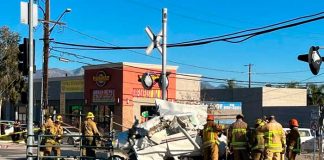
(257, 139)
(210, 135)
(274, 137)
(238, 137)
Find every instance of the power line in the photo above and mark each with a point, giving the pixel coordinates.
(225, 37)
(186, 75)
(132, 51)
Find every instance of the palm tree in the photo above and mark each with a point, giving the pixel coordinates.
(292, 84)
(315, 94)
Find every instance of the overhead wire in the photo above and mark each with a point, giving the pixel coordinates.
(153, 57)
(185, 75)
(225, 37)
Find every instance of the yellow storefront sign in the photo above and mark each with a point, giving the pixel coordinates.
(72, 86)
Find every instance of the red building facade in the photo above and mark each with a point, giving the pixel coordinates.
(116, 87)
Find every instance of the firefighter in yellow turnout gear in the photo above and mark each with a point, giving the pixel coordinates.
(237, 139)
(47, 129)
(89, 131)
(58, 132)
(210, 139)
(256, 141)
(53, 134)
(275, 141)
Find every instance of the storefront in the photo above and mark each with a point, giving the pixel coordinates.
(118, 88)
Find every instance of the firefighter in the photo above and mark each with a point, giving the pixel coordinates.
(274, 138)
(293, 140)
(58, 132)
(49, 139)
(90, 133)
(46, 130)
(256, 141)
(237, 138)
(210, 139)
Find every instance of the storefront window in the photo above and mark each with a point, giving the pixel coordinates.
(148, 112)
(101, 111)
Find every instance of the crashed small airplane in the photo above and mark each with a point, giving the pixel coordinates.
(173, 134)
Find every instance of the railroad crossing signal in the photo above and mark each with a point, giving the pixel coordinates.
(155, 41)
(313, 58)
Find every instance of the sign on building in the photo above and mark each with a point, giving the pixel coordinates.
(224, 112)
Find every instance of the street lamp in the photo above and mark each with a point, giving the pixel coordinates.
(67, 10)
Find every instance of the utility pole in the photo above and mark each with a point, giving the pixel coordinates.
(30, 129)
(164, 51)
(250, 66)
(46, 55)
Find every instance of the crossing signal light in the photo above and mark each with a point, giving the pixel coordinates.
(148, 80)
(313, 58)
(159, 80)
(23, 57)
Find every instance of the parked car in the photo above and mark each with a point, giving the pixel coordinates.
(73, 135)
(7, 126)
(307, 138)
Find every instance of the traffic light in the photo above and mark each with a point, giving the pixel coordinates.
(23, 57)
(24, 97)
(313, 58)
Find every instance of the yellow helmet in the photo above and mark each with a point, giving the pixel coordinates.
(90, 115)
(58, 118)
(259, 122)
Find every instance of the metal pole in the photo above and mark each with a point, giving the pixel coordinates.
(164, 51)
(250, 67)
(46, 54)
(314, 143)
(80, 133)
(30, 82)
(320, 130)
(321, 143)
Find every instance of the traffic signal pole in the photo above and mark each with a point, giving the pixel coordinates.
(164, 52)
(30, 129)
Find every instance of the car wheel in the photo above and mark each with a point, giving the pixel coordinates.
(70, 141)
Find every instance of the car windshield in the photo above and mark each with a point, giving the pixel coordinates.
(304, 133)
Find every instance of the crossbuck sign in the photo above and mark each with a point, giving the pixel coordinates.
(155, 41)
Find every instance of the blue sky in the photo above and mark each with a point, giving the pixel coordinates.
(122, 23)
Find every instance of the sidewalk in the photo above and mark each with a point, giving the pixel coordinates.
(11, 145)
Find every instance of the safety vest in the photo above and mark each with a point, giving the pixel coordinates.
(274, 137)
(210, 135)
(239, 140)
(258, 140)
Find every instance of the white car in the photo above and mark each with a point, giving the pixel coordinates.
(73, 135)
(306, 139)
(305, 134)
(8, 126)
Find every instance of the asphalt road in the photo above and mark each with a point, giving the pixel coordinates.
(14, 151)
